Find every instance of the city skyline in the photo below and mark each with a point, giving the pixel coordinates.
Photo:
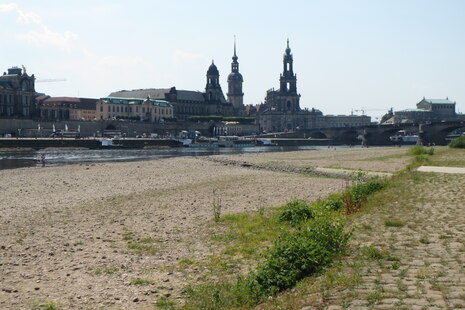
(347, 55)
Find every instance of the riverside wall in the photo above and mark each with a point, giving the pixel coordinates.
(29, 128)
(96, 128)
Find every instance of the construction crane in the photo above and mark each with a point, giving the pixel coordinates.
(363, 110)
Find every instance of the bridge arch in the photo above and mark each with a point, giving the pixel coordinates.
(317, 134)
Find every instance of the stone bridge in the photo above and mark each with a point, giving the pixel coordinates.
(379, 134)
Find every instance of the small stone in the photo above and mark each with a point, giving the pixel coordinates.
(36, 288)
(135, 299)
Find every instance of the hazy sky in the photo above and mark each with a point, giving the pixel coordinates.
(371, 54)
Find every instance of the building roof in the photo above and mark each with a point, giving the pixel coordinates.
(159, 94)
(414, 110)
(153, 93)
(79, 103)
(213, 70)
(439, 101)
(119, 100)
(190, 95)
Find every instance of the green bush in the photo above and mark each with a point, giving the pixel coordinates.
(296, 212)
(421, 158)
(359, 193)
(421, 150)
(333, 202)
(299, 253)
(458, 143)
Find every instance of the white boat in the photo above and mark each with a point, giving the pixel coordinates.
(235, 141)
(403, 137)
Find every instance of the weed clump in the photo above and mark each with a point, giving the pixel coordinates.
(299, 253)
(45, 305)
(458, 143)
(354, 197)
(421, 150)
(216, 206)
(309, 238)
(296, 212)
(394, 223)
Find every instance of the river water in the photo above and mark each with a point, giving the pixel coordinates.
(18, 159)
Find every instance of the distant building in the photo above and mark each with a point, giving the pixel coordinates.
(281, 110)
(235, 80)
(67, 108)
(17, 94)
(345, 121)
(428, 110)
(186, 102)
(134, 108)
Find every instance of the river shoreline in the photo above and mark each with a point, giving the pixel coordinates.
(67, 230)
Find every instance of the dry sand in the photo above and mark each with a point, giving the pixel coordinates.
(65, 230)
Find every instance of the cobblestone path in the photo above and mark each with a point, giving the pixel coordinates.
(409, 253)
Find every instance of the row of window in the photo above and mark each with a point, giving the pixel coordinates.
(118, 109)
(8, 99)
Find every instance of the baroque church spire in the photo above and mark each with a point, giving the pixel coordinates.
(235, 94)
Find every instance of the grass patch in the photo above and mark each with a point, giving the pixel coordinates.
(164, 303)
(141, 281)
(143, 247)
(394, 223)
(425, 240)
(302, 239)
(248, 233)
(458, 143)
(372, 253)
(421, 150)
(106, 270)
(45, 305)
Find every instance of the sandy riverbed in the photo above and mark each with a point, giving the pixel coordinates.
(65, 230)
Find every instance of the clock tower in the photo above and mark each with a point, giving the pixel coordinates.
(235, 80)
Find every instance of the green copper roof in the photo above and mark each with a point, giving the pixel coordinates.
(414, 110)
(161, 103)
(439, 101)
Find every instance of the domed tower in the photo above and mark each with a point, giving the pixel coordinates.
(213, 77)
(214, 94)
(235, 80)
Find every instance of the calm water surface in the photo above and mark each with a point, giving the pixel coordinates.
(18, 159)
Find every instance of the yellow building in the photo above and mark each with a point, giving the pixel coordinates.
(134, 108)
(67, 108)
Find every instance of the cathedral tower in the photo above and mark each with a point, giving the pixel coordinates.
(288, 84)
(235, 80)
(213, 88)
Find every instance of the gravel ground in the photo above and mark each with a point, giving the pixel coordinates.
(67, 231)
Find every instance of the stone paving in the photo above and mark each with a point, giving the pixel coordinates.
(441, 169)
(410, 253)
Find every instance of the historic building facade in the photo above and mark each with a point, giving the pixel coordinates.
(17, 94)
(428, 110)
(281, 110)
(66, 108)
(186, 102)
(150, 110)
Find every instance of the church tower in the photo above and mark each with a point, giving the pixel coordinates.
(214, 95)
(288, 84)
(213, 88)
(235, 80)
